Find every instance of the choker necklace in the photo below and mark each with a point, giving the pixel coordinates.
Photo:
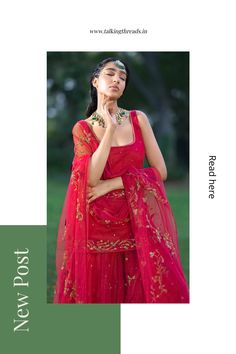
(120, 116)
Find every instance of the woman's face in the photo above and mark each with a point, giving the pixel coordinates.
(111, 81)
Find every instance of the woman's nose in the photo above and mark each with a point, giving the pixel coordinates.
(116, 79)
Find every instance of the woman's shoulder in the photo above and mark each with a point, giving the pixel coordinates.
(79, 126)
(142, 118)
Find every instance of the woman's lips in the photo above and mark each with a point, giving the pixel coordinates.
(114, 88)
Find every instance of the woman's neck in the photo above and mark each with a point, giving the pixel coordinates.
(112, 107)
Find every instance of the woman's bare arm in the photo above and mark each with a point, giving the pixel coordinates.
(153, 152)
(99, 158)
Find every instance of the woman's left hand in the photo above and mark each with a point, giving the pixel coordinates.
(97, 191)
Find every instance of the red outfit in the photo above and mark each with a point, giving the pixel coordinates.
(123, 246)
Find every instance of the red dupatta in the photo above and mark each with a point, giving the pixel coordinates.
(156, 237)
(71, 255)
(153, 227)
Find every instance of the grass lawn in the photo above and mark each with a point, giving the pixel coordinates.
(179, 199)
(178, 196)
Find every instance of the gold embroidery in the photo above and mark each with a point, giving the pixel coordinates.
(115, 194)
(102, 246)
(158, 277)
(158, 235)
(107, 221)
(64, 261)
(67, 286)
(75, 176)
(72, 293)
(82, 145)
(169, 242)
(148, 187)
(64, 234)
(79, 215)
(130, 278)
(153, 191)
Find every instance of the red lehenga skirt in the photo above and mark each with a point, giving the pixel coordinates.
(138, 262)
(114, 275)
(115, 278)
(121, 248)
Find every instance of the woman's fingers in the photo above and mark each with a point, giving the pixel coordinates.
(90, 195)
(92, 199)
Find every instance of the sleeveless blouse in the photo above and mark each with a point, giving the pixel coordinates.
(109, 221)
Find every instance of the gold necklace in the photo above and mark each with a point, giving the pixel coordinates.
(120, 116)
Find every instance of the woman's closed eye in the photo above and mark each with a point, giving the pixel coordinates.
(122, 78)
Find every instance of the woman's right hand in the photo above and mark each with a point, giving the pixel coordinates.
(101, 188)
(111, 122)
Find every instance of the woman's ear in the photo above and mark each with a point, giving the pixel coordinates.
(94, 82)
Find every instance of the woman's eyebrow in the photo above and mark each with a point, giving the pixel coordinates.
(113, 69)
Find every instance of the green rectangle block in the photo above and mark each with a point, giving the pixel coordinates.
(46, 328)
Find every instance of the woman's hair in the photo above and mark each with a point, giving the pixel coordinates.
(93, 91)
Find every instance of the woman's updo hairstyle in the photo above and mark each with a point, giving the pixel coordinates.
(93, 91)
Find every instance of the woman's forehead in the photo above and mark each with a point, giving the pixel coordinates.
(115, 65)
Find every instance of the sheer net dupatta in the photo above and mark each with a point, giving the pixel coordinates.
(71, 265)
(156, 237)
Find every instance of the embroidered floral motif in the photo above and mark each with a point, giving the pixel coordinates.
(160, 270)
(118, 245)
(130, 278)
(153, 191)
(169, 242)
(79, 215)
(75, 176)
(148, 187)
(82, 145)
(115, 194)
(156, 232)
(67, 286)
(64, 261)
(107, 221)
(73, 293)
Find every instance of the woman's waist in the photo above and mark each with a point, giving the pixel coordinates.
(114, 194)
(115, 170)
(111, 208)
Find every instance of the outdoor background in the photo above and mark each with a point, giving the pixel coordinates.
(159, 86)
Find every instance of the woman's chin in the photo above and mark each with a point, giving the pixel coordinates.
(113, 95)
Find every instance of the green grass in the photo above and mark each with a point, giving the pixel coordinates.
(56, 193)
(179, 199)
(178, 196)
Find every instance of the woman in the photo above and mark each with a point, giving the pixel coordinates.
(117, 240)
